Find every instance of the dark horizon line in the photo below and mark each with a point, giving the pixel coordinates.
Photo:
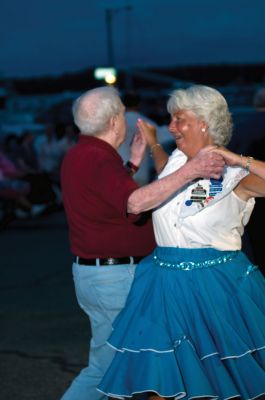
(140, 67)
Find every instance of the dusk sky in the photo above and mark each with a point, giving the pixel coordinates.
(51, 37)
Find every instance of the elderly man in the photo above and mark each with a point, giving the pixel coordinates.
(108, 232)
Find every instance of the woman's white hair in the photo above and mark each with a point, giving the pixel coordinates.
(209, 106)
(93, 109)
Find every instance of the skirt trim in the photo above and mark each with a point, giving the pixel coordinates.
(176, 396)
(124, 349)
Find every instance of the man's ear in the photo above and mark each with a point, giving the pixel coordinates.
(113, 122)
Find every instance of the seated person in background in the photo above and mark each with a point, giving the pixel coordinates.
(42, 191)
(50, 152)
(15, 190)
(21, 151)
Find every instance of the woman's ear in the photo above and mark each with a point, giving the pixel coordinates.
(204, 127)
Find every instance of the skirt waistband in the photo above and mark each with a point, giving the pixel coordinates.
(189, 265)
(188, 259)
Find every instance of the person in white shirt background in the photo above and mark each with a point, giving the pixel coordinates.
(132, 100)
(194, 322)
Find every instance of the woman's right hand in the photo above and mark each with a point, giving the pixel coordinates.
(148, 131)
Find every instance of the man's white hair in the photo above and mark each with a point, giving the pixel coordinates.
(93, 109)
(208, 105)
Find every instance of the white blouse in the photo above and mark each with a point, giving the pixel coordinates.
(207, 213)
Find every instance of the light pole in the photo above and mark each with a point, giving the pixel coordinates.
(109, 12)
(108, 15)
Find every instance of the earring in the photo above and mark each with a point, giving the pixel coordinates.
(203, 129)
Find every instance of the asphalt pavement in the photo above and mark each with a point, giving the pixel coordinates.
(44, 336)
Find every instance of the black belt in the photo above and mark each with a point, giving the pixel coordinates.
(108, 261)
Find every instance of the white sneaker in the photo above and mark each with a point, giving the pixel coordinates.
(37, 209)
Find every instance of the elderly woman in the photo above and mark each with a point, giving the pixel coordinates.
(194, 325)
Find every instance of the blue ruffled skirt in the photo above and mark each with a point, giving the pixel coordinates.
(191, 329)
